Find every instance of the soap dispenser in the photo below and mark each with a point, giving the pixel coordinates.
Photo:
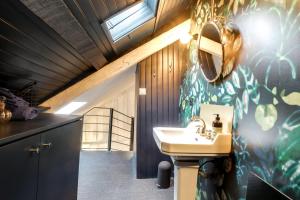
(217, 124)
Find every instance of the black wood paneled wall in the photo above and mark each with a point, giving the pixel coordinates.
(161, 75)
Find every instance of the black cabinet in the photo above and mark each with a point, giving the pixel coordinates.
(58, 165)
(43, 165)
(19, 169)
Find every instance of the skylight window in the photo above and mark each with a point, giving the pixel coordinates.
(71, 107)
(129, 19)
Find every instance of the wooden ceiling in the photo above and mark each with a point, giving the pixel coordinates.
(55, 43)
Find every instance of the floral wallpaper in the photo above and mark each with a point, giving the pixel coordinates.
(264, 89)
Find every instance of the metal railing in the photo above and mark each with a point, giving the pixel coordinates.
(107, 129)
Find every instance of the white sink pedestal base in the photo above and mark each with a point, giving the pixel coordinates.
(185, 179)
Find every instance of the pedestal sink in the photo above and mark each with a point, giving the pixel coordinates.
(186, 147)
(183, 144)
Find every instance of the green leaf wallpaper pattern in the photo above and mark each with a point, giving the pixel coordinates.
(264, 90)
(292, 98)
(287, 150)
(266, 116)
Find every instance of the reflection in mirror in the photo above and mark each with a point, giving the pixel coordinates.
(218, 49)
(211, 51)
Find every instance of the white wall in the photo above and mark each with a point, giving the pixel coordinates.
(122, 98)
(119, 94)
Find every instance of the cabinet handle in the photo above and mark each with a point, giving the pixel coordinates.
(34, 150)
(46, 145)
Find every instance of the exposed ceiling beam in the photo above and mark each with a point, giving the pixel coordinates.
(117, 66)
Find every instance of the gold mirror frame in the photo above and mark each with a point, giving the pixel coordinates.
(224, 42)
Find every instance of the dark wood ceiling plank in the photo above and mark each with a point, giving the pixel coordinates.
(49, 86)
(111, 6)
(24, 73)
(107, 8)
(12, 47)
(21, 17)
(121, 4)
(58, 16)
(101, 8)
(91, 12)
(16, 35)
(41, 91)
(37, 95)
(13, 59)
(17, 84)
(129, 2)
(110, 54)
(116, 5)
(6, 83)
(84, 11)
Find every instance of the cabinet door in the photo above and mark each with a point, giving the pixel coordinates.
(59, 162)
(18, 169)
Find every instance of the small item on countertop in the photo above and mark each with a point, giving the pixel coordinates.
(217, 125)
(20, 109)
(25, 113)
(5, 115)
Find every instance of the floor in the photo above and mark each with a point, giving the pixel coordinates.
(110, 176)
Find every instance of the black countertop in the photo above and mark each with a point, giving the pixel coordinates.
(16, 130)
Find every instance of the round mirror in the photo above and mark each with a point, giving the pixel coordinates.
(218, 49)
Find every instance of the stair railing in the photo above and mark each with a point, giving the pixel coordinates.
(107, 129)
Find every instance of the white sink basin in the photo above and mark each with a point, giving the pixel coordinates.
(184, 144)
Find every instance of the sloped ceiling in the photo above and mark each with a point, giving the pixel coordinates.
(52, 44)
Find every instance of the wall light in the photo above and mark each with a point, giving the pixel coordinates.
(186, 37)
(262, 29)
(71, 107)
